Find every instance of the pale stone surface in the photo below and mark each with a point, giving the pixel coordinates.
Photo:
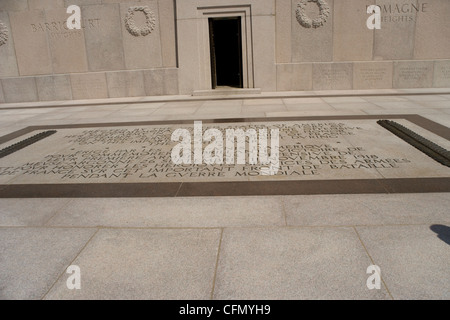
(413, 259)
(31, 43)
(390, 155)
(161, 81)
(125, 84)
(413, 74)
(104, 44)
(432, 30)
(52, 88)
(441, 75)
(28, 212)
(264, 53)
(395, 39)
(19, 89)
(67, 47)
(294, 77)
(82, 2)
(309, 44)
(8, 62)
(141, 52)
(188, 57)
(89, 86)
(309, 150)
(13, 5)
(293, 263)
(146, 264)
(283, 31)
(195, 212)
(372, 75)
(188, 9)
(2, 96)
(352, 41)
(376, 209)
(337, 76)
(46, 4)
(33, 258)
(167, 33)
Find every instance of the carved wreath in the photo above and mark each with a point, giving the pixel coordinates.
(3, 34)
(305, 21)
(150, 21)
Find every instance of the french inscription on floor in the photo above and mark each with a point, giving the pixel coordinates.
(317, 150)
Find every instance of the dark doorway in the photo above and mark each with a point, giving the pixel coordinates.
(226, 52)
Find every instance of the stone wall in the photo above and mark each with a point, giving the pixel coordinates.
(41, 60)
(409, 51)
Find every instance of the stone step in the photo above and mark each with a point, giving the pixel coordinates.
(226, 91)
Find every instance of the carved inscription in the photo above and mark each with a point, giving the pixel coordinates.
(59, 29)
(3, 33)
(373, 74)
(313, 149)
(402, 12)
(413, 73)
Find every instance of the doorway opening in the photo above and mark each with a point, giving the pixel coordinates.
(226, 52)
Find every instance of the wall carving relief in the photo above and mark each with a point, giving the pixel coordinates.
(3, 34)
(307, 22)
(149, 25)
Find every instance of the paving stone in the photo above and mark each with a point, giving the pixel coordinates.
(413, 259)
(32, 259)
(157, 264)
(293, 263)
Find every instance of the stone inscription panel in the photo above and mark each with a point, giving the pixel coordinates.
(318, 150)
(413, 74)
(372, 75)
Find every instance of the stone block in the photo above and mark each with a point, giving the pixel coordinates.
(293, 263)
(421, 248)
(161, 82)
(53, 88)
(142, 51)
(283, 31)
(82, 2)
(46, 4)
(167, 33)
(189, 9)
(332, 76)
(19, 89)
(8, 62)
(264, 53)
(352, 41)
(432, 31)
(372, 75)
(146, 264)
(13, 5)
(441, 74)
(294, 77)
(413, 74)
(33, 258)
(104, 45)
(395, 39)
(125, 84)
(68, 49)
(30, 38)
(89, 86)
(2, 96)
(312, 44)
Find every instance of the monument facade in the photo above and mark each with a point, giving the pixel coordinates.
(169, 47)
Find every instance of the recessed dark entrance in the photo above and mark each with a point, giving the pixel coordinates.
(226, 52)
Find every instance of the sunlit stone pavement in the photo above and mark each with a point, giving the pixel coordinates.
(228, 247)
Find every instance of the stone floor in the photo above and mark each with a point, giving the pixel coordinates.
(271, 247)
